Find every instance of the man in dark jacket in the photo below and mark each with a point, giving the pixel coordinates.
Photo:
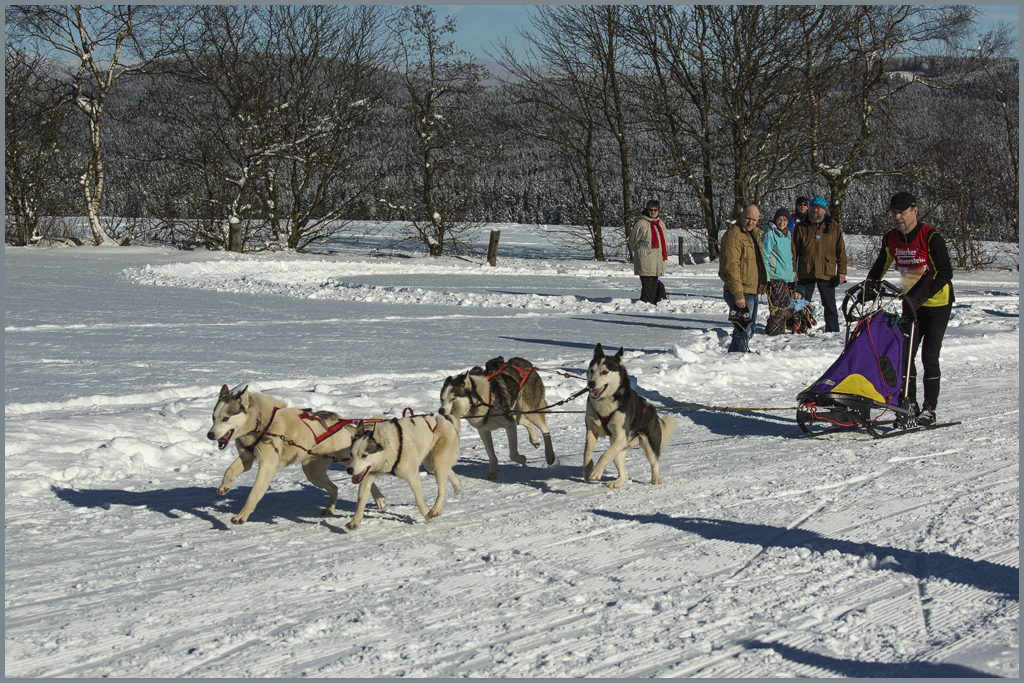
(821, 259)
(919, 253)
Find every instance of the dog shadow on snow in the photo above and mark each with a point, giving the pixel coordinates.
(984, 575)
(301, 506)
(852, 668)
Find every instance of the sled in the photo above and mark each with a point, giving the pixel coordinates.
(864, 384)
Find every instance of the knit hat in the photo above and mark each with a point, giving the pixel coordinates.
(799, 289)
(901, 201)
(819, 201)
(780, 212)
(801, 200)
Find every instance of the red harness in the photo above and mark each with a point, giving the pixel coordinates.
(523, 373)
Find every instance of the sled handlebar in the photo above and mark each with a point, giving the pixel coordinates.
(873, 294)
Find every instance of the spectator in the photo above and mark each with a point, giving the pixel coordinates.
(800, 214)
(741, 268)
(820, 259)
(650, 251)
(777, 246)
(926, 275)
(801, 313)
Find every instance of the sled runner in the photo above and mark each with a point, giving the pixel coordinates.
(864, 384)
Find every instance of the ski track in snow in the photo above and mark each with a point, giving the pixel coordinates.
(764, 553)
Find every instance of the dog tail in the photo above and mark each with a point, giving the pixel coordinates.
(668, 429)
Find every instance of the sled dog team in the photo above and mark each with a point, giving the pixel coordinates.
(501, 395)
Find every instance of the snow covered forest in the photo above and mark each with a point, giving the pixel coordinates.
(247, 128)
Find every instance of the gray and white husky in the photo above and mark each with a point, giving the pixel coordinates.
(399, 447)
(615, 410)
(267, 431)
(501, 395)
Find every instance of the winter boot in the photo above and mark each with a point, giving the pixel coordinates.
(927, 415)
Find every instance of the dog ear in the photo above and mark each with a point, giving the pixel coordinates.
(224, 391)
(619, 354)
(243, 396)
(360, 429)
(598, 351)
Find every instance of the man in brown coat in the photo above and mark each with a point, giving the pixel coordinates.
(820, 259)
(741, 268)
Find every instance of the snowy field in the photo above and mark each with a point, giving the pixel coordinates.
(765, 553)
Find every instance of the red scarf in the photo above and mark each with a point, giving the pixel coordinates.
(658, 237)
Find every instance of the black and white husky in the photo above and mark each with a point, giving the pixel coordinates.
(615, 410)
(500, 395)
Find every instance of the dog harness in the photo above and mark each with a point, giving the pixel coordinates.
(606, 418)
(304, 416)
(524, 374)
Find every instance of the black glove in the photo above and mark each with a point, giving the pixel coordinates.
(834, 282)
(869, 290)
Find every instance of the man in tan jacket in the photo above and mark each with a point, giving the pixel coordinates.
(741, 268)
(820, 259)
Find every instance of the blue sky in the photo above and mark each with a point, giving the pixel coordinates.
(480, 26)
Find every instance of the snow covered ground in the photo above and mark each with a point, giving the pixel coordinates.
(764, 553)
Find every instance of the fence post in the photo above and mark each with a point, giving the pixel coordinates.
(492, 247)
(681, 251)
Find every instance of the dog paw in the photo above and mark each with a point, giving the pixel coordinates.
(352, 526)
(550, 458)
(615, 484)
(381, 504)
(587, 469)
(655, 480)
(238, 519)
(521, 459)
(224, 489)
(491, 476)
(327, 512)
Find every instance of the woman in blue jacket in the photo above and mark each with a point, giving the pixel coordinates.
(779, 264)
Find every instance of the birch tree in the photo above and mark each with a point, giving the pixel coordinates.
(104, 44)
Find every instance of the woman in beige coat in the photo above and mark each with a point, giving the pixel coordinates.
(650, 251)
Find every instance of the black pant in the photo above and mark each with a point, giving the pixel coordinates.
(828, 300)
(928, 333)
(649, 289)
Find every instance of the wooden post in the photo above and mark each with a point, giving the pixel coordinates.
(681, 251)
(492, 247)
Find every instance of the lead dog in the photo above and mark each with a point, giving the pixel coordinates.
(266, 430)
(500, 396)
(399, 447)
(615, 410)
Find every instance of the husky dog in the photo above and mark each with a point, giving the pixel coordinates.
(486, 398)
(265, 429)
(399, 447)
(615, 410)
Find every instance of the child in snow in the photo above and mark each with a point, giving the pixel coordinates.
(801, 313)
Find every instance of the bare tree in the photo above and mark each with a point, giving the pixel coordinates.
(723, 98)
(850, 84)
(437, 94)
(993, 49)
(105, 44)
(37, 154)
(272, 106)
(560, 93)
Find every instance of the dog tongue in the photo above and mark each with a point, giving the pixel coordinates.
(359, 477)
(596, 393)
